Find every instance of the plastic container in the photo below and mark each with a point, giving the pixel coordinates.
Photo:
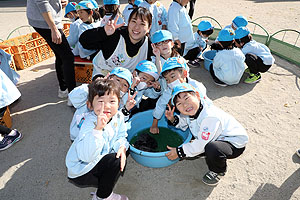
(5, 120)
(142, 121)
(208, 58)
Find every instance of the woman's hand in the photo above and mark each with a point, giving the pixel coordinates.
(112, 25)
(56, 36)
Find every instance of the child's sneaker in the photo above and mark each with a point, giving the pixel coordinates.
(253, 78)
(62, 94)
(112, 196)
(247, 71)
(211, 178)
(298, 152)
(219, 83)
(8, 140)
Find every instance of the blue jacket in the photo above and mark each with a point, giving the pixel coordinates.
(73, 37)
(5, 60)
(91, 145)
(259, 50)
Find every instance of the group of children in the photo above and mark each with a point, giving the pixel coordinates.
(97, 156)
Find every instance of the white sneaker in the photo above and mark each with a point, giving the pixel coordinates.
(112, 196)
(69, 103)
(63, 94)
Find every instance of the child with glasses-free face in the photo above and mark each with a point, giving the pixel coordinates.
(86, 15)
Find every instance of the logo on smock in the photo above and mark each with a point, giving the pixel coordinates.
(205, 135)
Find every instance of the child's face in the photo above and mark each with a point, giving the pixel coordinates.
(147, 78)
(72, 15)
(173, 75)
(111, 104)
(187, 103)
(165, 47)
(84, 16)
(124, 86)
(184, 2)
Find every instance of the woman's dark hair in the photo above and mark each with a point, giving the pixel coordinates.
(208, 32)
(100, 87)
(142, 13)
(244, 40)
(96, 15)
(112, 9)
(227, 44)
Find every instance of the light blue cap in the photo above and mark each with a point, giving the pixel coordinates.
(226, 34)
(161, 35)
(174, 62)
(241, 32)
(240, 21)
(111, 2)
(84, 5)
(204, 25)
(137, 2)
(182, 87)
(123, 73)
(70, 7)
(147, 67)
(94, 3)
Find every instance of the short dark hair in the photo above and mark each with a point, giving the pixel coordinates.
(207, 32)
(142, 13)
(227, 44)
(244, 40)
(176, 97)
(180, 69)
(100, 87)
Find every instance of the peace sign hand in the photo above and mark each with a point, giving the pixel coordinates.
(102, 119)
(130, 103)
(112, 25)
(170, 113)
(155, 50)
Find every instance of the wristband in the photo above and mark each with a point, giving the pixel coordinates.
(125, 111)
(131, 91)
(180, 153)
(175, 122)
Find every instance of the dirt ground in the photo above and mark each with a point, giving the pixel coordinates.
(35, 168)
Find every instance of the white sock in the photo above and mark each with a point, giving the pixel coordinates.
(12, 133)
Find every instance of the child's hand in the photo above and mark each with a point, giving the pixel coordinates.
(172, 155)
(112, 25)
(101, 118)
(130, 103)
(170, 113)
(154, 129)
(135, 81)
(122, 155)
(155, 50)
(155, 85)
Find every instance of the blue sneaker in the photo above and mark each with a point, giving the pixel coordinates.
(8, 140)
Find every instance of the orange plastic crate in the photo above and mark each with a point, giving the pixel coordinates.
(83, 70)
(6, 119)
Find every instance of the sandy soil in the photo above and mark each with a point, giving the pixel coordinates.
(270, 111)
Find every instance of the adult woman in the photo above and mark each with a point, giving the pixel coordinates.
(120, 46)
(45, 17)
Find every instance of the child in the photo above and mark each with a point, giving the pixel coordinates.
(174, 71)
(194, 48)
(147, 85)
(159, 15)
(128, 9)
(218, 135)
(258, 56)
(79, 95)
(228, 64)
(162, 44)
(179, 24)
(98, 155)
(9, 93)
(89, 15)
(111, 10)
(74, 27)
(238, 21)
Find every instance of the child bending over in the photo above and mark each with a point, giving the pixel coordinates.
(258, 56)
(218, 135)
(98, 155)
